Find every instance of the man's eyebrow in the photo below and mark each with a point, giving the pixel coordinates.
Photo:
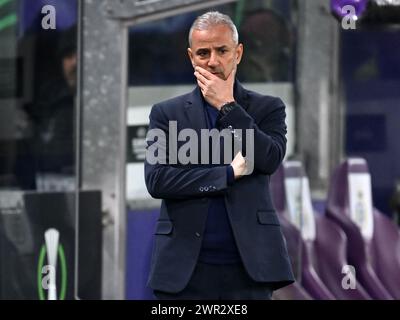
(202, 49)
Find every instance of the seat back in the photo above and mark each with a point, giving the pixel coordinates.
(293, 240)
(350, 191)
(386, 252)
(380, 233)
(360, 196)
(331, 248)
(298, 199)
(324, 244)
(350, 205)
(291, 195)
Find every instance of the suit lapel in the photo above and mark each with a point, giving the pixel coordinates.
(194, 111)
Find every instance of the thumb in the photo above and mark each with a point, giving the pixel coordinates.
(238, 156)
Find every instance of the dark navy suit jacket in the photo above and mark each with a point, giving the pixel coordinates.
(185, 191)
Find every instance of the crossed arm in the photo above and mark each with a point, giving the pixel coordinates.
(176, 182)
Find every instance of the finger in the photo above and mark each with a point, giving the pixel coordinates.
(201, 85)
(238, 155)
(204, 73)
(200, 77)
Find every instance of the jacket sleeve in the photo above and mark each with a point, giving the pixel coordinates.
(269, 134)
(165, 181)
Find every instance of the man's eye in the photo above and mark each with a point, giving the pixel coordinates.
(223, 51)
(202, 53)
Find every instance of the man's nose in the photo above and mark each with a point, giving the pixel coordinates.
(213, 61)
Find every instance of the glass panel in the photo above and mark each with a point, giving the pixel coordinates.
(371, 73)
(38, 79)
(159, 69)
(38, 63)
(267, 29)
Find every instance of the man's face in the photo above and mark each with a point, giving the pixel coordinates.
(215, 50)
(69, 64)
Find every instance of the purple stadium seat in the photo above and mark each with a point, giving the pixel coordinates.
(386, 253)
(373, 241)
(323, 252)
(331, 249)
(293, 242)
(298, 248)
(299, 211)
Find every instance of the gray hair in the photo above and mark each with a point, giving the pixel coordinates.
(210, 19)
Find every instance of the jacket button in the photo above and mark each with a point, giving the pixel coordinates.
(205, 188)
(201, 189)
(197, 235)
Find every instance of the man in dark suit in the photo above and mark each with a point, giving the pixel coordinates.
(218, 235)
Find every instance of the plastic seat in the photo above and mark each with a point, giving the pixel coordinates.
(299, 250)
(294, 245)
(323, 242)
(373, 241)
(293, 240)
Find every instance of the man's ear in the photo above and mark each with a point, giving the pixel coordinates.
(239, 53)
(190, 54)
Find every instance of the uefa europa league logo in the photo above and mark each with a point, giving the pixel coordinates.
(47, 273)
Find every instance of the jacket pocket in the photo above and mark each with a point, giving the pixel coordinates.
(268, 217)
(164, 227)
